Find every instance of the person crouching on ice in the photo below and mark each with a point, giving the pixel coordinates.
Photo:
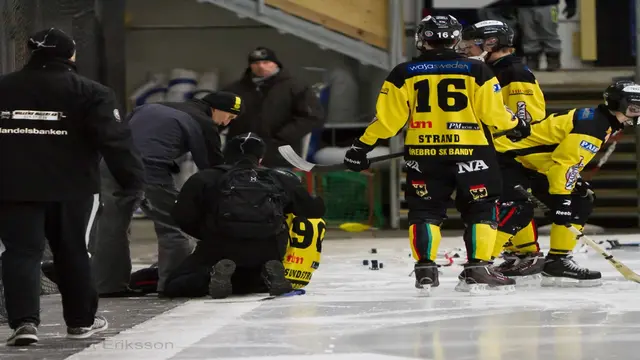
(238, 213)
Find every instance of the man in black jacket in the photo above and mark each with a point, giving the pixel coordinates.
(279, 109)
(54, 126)
(237, 212)
(163, 133)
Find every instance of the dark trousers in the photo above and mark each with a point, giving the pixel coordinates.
(191, 278)
(24, 226)
(429, 187)
(111, 254)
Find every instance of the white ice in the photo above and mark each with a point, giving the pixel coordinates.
(353, 313)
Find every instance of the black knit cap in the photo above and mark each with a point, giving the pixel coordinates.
(53, 43)
(224, 101)
(262, 53)
(248, 145)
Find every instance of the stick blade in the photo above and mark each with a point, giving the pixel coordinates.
(294, 159)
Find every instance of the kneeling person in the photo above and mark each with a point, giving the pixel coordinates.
(237, 210)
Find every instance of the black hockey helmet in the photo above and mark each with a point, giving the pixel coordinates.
(493, 33)
(624, 96)
(438, 31)
(242, 146)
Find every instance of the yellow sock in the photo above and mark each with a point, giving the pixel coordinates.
(480, 240)
(562, 239)
(526, 240)
(501, 239)
(424, 240)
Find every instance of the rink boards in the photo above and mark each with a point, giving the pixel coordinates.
(351, 312)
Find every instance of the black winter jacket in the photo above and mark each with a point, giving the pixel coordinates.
(54, 127)
(163, 132)
(280, 110)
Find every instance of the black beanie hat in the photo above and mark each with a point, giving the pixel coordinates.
(224, 101)
(243, 146)
(52, 43)
(263, 54)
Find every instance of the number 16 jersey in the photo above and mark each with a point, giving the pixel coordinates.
(453, 105)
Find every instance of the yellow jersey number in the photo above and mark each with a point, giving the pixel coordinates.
(304, 249)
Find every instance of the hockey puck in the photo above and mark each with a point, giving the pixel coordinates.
(374, 250)
(365, 262)
(374, 265)
(381, 265)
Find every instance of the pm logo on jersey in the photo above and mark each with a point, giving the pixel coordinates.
(592, 148)
(496, 88)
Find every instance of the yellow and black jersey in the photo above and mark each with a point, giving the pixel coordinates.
(520, 89)
(561, 144)
(452, 105)
(304, 249)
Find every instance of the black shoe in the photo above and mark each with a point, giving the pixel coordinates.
(533, 61)
(274, 278)
(23, 335)
(426, 275)
(553, 62)
(564, 271)
(122, 294)
(99, 324)
(220, 285)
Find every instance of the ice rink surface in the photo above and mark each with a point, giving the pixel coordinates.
(353, 313)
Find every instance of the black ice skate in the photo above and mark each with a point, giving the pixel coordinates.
(275, 279)
(564, 272)
(480, 279)
(525, 269)
(426, 277)
(220, 282)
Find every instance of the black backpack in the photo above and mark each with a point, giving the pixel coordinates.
(249, 203)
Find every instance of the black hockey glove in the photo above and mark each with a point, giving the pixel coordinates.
(521, 131)
(356, 157)
(560, 207)
(584, 189)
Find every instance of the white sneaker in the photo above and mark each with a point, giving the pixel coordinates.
(99, 324)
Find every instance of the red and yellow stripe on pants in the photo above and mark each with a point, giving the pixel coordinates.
(425, 241)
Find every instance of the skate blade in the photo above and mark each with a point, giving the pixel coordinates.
(548, 281)
(424, 291)
(527, 280)
(484, 289)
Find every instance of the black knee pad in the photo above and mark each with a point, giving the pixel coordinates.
(514, 215)
(581, 209)
(483, 211)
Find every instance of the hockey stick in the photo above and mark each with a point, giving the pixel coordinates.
(605, 157)
(622, 268)
(294, 159)
(289, 154)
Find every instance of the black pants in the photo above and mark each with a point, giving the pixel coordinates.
(66, 225)
(430, 184)
(516, 211)
(191, 278)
